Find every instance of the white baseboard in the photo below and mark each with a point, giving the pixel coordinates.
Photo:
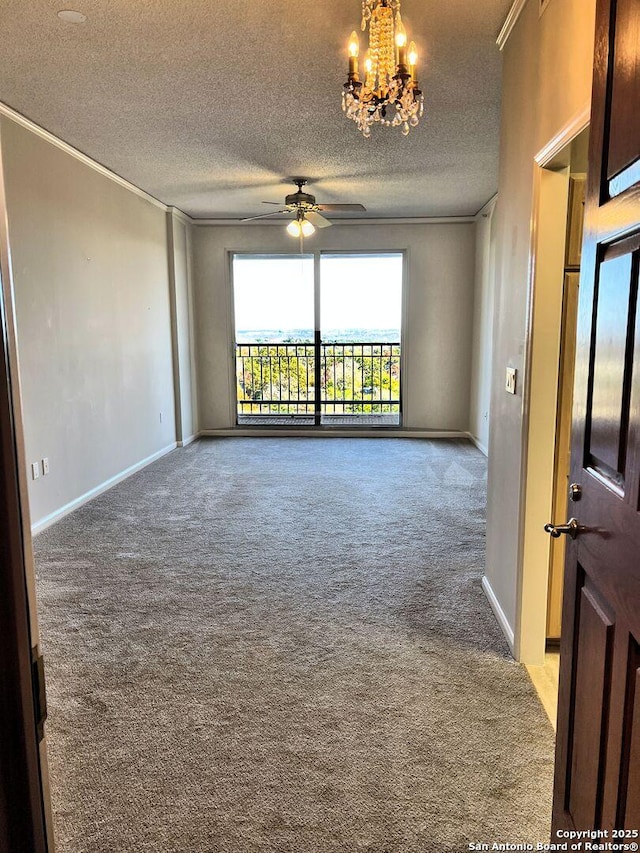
(478, 443)
(50, 519)
(187, 441)
(498, 612)
(330, 432)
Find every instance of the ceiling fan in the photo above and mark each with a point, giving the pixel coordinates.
(306, 211)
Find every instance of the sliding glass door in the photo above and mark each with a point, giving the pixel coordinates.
(318, 339)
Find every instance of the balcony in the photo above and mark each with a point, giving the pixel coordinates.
(311, 384)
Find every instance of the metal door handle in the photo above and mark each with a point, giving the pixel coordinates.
(571, 528)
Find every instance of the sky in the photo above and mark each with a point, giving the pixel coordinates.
(356, 291)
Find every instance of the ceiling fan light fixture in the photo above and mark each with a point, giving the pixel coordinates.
(306, 210)
(294, 228)
(300, 226)
(307, 228)
(389, 93)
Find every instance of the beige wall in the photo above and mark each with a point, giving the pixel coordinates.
(184, 373)
(483, 309)
(438, 308)
(92, 303)
(546, 85)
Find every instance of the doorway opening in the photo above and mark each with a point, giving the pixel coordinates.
(561, 182)
(318, 339)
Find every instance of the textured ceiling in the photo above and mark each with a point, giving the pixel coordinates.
(211, 106)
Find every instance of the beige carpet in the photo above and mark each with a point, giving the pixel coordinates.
(283, 645)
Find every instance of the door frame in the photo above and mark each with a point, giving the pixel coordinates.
(25, 816)
(540, 396)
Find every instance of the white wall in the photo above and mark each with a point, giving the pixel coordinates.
(439, 311)
(184, 371)
(483, 311)
(93, 315)
(546, 86)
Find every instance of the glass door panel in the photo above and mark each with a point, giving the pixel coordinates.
(274, 339)
(360, 331)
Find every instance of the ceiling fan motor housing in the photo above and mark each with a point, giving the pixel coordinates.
(300, 199)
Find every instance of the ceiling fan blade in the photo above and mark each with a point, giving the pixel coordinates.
(317, 220)
(263, 215)
(338, 207)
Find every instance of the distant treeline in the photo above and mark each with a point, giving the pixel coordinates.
(286, 336)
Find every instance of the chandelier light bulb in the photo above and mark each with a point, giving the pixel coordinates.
(354, 49)
(413, 54)
(401, 43)
(368, 63)
(307, 228)
(294, 228)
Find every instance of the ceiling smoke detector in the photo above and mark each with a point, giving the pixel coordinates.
(69, 16)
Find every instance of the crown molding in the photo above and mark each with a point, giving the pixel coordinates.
(415, 220)
(486, 209)
(510, 22)
(179, 214)
(565, 135)
(25, 122)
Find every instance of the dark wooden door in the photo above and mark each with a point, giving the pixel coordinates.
(597, 783)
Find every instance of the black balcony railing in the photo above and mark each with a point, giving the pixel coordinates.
(359, 378)
(323, 379)
(275, 379)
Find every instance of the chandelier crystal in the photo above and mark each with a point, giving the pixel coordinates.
(389, 94)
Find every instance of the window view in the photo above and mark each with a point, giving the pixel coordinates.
(331, 357)
(275, 332)
(360, 311)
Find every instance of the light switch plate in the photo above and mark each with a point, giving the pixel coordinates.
(35, 470)
(510, 384)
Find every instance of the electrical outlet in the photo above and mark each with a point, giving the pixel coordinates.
(510, 384)
(45, 465)
(35, 470)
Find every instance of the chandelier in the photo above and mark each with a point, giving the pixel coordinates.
(389, 94)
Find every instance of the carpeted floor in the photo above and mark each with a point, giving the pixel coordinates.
(283, 645)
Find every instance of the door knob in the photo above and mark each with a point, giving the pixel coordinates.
(571, 528)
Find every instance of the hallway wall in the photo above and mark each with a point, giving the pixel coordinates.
(546, 85)
(483, 312)
(179, 232)
(93, 316)
(439, 311)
